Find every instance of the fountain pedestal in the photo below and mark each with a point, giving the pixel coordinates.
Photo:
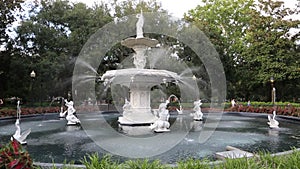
(140, 110)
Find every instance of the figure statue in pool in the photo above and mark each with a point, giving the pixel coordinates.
(273, 123)
(162, 124)
(71, 118)
(198, 113)
(20, 137)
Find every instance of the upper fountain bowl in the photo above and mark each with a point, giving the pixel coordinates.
(144, 41)
(146, 76)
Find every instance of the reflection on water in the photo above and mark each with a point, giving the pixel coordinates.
(51, 140)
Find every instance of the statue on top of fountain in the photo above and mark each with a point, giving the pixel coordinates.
(139, 57)
(71, 118)
(139, 25)
(140, 44)
(198, 113)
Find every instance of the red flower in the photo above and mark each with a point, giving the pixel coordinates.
(14, 157)
(15, 146)
(13, 163)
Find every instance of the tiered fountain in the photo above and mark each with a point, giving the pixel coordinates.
(139, 80)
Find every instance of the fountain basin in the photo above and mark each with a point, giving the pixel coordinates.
(51, 140)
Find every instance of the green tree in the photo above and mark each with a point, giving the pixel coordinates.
(52, 38)
(272, 50)
(224, 23)
(9, 13)
(254, 43)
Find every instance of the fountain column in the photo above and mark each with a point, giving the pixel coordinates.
(140, 111)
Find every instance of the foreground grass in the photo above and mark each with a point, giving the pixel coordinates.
(261, 161)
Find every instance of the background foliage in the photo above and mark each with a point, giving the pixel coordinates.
(255, 41)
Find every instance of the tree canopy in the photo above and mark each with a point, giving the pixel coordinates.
(255, 43)
(256, 40)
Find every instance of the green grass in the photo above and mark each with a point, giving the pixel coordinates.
(260, 161)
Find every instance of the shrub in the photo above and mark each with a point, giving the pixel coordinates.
(14, 156)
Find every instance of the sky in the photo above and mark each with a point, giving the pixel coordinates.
(178, 7)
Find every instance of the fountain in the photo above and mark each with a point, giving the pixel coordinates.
(139, 80)
(100, 131)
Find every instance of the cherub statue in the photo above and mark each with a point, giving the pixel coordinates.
(71, 118)
(198, 114)
(162, 124)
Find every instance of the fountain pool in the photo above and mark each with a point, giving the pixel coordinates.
(51, 140)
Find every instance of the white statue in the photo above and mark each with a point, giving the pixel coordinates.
(71, 118)
(233, 103)
(126, 106)
(163, 106)
(139, 25)
(180, 110)
(20, 137)
(62, 113)
(164, 114)
(162, 124)
(273, 123)
(196, 125)
(139, 58)
(198, 114)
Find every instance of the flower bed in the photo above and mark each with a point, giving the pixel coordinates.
(287, 110)
(28, 111)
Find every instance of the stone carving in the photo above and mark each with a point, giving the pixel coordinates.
(273, 123)
(71, 118)
(233, 103)
(20, 137)
(139, 25)
(126, 107)
(139, 58)
(198, 114)
(62, 113)
(162, 124)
